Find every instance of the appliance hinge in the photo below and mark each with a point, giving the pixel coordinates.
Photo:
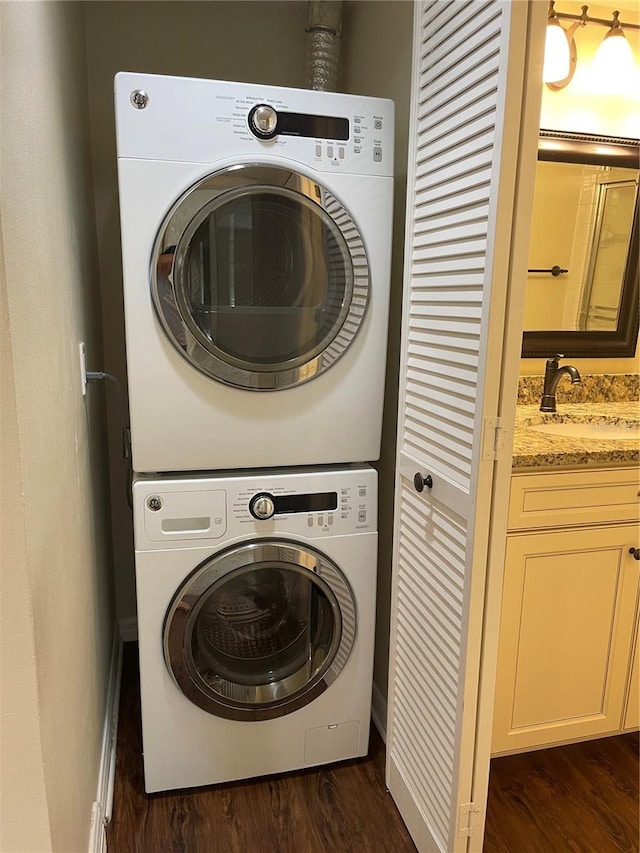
(495, 439)
(468, 819)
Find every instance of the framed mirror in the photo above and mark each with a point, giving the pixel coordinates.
(583, 283)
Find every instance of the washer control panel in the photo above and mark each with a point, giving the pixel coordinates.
(330, 512)
(313, 504)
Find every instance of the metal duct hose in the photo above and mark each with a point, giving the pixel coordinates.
(323, 44)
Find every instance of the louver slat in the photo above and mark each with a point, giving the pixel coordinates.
(450, 206)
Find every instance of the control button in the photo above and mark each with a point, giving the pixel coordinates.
(261, 506)
(344, 491)
(357, 140)
(362, 493)
(330, 151)
(217, 520)
(357, 150)
(319, 521)
(377, 154)
(341, 153)
(330, 521)
(262, 121)
(377, 124)
(318, 150)
(344, 515)
(310, 522)
(362, 515)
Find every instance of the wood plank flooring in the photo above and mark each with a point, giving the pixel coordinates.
(341, 807)
(574, 799)
(581, 798)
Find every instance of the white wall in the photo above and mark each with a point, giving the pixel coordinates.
(56, 567)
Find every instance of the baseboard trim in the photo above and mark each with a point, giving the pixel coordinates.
(128, 629)
(101, 811)
(379, 712)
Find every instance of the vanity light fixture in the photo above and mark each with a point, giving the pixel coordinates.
(614, 55)
(559, 51)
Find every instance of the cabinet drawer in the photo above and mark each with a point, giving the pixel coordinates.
(574, 498)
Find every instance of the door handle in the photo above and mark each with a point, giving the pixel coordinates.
(422, 480)
(635, 553)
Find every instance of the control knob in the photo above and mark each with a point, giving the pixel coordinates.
(261, 506)
(263, 120)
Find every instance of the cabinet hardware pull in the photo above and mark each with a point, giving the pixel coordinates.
(420, 481)
(554, 270)
(635, 553)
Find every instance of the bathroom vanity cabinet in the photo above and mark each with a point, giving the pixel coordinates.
(568, 658)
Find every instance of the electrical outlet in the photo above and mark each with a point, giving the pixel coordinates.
(83, 368)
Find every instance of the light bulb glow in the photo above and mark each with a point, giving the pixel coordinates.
(613, 62)
(556, 54)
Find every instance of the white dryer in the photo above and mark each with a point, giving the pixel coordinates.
(256, 611)
(256, 242)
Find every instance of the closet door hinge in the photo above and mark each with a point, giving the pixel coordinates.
(495, 439)
(468, 819)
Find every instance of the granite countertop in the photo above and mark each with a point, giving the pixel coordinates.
(533, 449)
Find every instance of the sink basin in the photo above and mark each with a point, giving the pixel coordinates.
(603, 429)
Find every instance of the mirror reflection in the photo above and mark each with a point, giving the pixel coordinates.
(582, 283)
(580, 240)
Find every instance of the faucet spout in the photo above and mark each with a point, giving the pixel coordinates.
(552, 375)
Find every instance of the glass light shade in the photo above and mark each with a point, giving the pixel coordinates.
(614, 61)
(556, 54)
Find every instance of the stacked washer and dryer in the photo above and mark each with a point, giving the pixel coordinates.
(256, 242)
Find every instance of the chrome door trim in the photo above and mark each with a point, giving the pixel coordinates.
(213, 191)
(181, 616)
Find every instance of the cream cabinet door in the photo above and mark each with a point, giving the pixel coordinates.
(632, 714)
(566, 629)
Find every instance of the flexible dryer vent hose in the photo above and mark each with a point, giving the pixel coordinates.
(323, 44)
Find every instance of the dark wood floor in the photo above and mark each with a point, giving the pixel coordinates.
(581, 798)
(574, 799)
(341, 807)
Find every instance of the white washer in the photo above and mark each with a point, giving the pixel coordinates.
(256, 242)
(256, 612)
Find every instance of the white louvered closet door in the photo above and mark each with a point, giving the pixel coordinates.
(468, 78)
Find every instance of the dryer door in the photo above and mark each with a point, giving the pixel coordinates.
(260, 277)
(259, 630)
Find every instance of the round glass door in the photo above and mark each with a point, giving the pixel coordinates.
(260, 630)
(260, 278)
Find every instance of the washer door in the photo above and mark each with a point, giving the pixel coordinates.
(260, 630)
(260, 277)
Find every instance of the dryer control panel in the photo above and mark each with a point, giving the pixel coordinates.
(312, 504)
(202, 121)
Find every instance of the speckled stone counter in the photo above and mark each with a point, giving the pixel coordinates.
(536, 450)
(594, 388)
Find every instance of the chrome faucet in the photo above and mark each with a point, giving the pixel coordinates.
(552, 375)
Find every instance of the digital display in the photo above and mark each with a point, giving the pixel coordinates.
(318, 502)
(321, 127)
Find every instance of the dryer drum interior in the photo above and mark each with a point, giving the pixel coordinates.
(260, 277)
(261, 639)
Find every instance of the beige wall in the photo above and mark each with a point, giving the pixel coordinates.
(56, 599)
(377, 61)
(583, 106)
